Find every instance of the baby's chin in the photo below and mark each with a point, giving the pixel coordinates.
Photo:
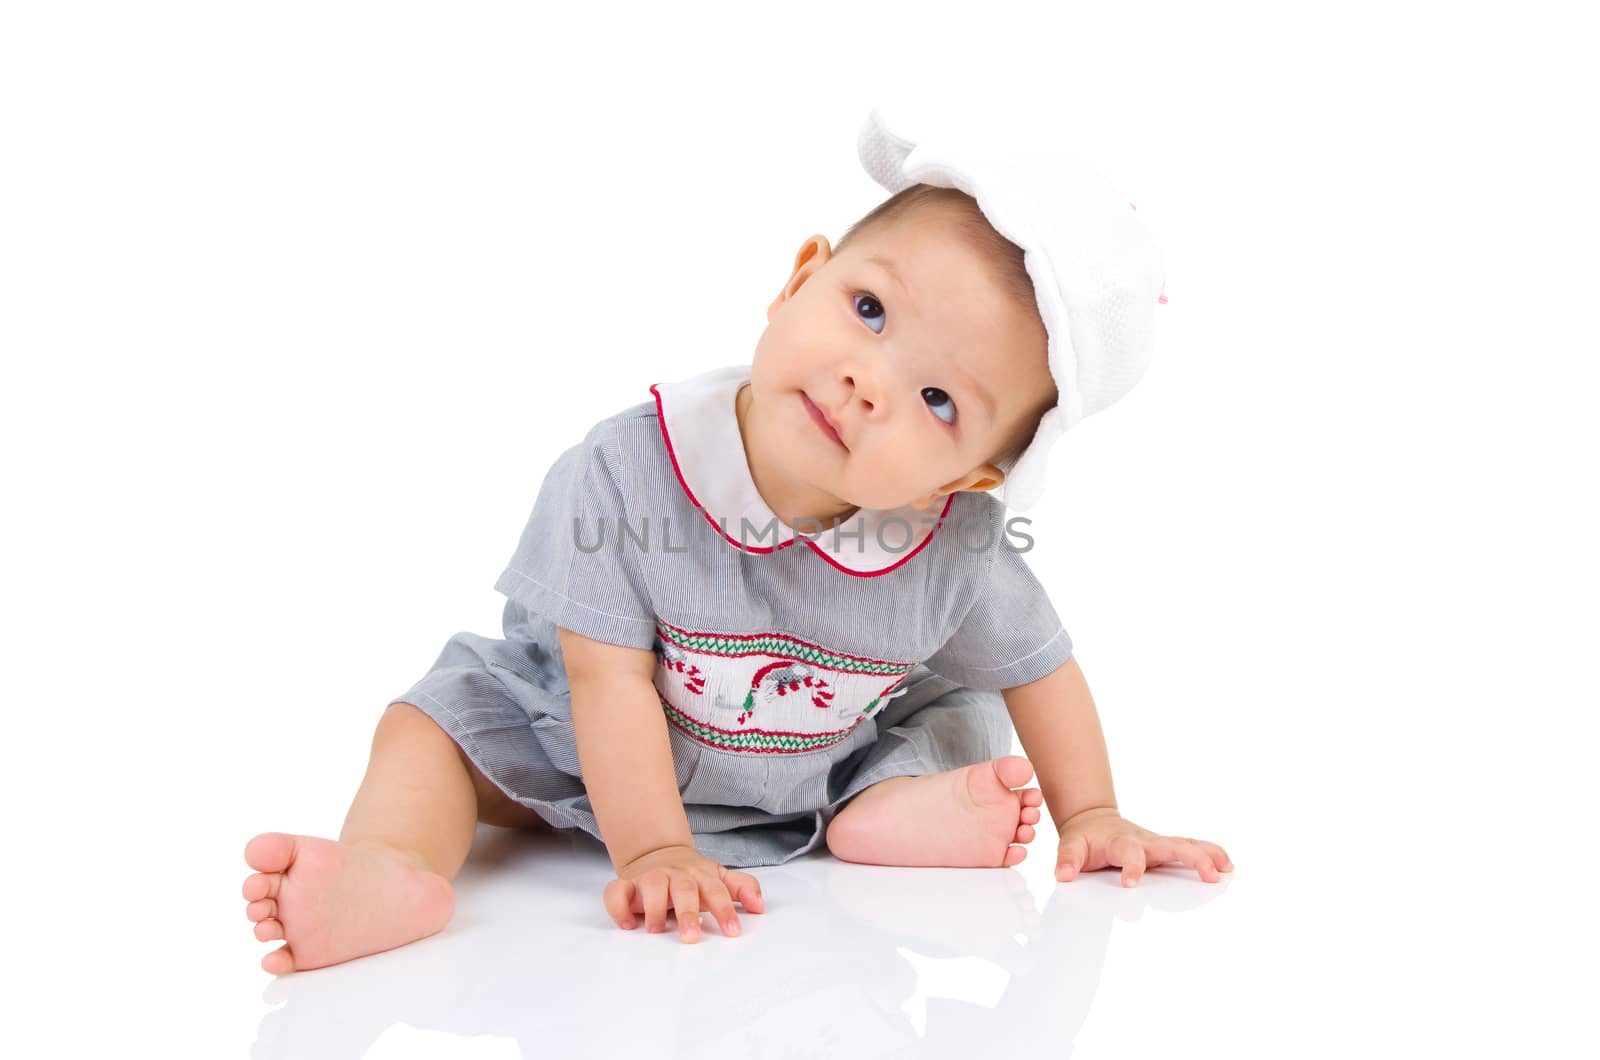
(877, 499)
(863, 489)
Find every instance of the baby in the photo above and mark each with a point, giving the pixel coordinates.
(770, 608)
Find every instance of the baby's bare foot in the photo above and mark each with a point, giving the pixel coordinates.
(332, 901)
(962, 818)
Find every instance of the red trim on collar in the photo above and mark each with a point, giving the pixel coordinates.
(661, 418)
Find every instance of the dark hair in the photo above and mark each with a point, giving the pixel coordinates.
(1004, 256)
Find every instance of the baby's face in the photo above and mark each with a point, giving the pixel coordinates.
(925, 367)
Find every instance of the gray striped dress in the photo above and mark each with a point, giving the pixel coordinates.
(794, 668)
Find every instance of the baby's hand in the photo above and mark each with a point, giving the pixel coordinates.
(1099, 838)
(680, 877)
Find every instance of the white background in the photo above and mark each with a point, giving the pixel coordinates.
(298, 302)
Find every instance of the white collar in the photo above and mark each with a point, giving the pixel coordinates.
(700, 426)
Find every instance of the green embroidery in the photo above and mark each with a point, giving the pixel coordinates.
(779, 645)
(786, 743)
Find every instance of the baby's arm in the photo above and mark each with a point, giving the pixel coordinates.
(626, 759)
(1060, 732)
(623, 748)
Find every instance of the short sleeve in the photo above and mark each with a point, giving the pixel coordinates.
(569, 565)
(1012, 634)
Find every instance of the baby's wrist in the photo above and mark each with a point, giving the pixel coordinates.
(1104, 810)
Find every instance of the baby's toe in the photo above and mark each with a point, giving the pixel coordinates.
(1024, 833)
(269, 929)
(259, 911)
(261, 886)
(1013, 856)
(278, 962)
(1013, 770)
(1032, 797)
(270, 851)
(1029, 815)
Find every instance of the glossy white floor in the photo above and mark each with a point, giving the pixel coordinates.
(1339, 934)
(849, 960)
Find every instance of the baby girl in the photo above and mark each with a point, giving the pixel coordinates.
(775, 607)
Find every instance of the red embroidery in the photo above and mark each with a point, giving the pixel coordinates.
(783, 677)
(676, 659)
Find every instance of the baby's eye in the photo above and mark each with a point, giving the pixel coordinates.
(939, 402)
(874, 304)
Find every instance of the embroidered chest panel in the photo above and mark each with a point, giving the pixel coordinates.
(767, 693)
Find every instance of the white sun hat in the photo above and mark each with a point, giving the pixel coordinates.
(1096, 271)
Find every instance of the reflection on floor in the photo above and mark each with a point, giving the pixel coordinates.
(849, 960)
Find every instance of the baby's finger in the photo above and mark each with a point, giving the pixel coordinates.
(746, 890)
(1069, 860)
(1185, 851)
(720, 904)
(1191, 853)
(1131, 859)
(653, 895)
(686, 903)
(618, 898)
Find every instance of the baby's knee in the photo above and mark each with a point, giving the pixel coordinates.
(408, 723)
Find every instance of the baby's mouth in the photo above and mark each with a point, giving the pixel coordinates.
(822, 421)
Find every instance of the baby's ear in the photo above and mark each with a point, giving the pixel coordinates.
(982, 478)
(979, 479)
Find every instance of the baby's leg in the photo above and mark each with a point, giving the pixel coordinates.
(386, 881)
